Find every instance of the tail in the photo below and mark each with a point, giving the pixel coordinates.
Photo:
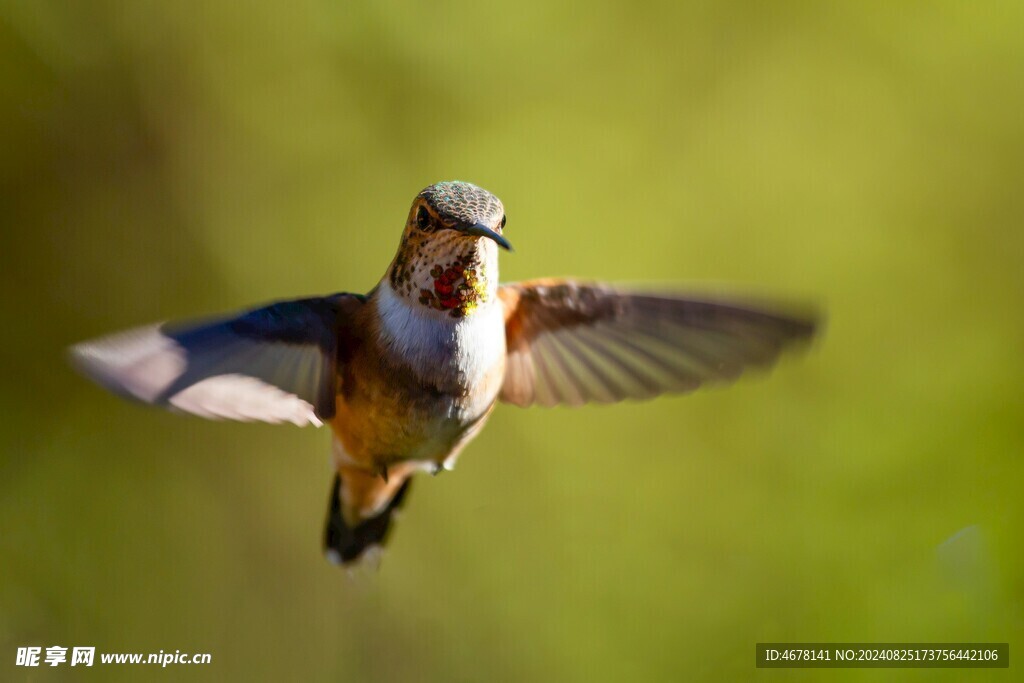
(344, 542)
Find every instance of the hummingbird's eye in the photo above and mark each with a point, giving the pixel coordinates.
(503, 222)
(423, 218)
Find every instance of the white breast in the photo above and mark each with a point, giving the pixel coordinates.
(450, 353)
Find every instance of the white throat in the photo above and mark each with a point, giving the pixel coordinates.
(447, 352)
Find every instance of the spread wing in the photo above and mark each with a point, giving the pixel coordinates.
(273, 364)
(571, 343)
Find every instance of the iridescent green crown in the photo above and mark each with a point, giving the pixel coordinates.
(459, 202)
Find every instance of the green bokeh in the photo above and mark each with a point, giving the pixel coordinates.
(172, 159)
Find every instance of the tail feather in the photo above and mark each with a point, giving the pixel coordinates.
(345, 543)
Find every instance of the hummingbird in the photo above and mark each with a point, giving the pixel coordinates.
(408, 374)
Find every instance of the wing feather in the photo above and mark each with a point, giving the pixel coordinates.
(277, 363)
(571, 343)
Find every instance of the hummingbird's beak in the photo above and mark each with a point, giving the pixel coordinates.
(481, 230)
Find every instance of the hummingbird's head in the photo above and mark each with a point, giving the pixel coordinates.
(462, 207)
(448, 258)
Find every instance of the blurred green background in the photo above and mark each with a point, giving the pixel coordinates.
(168, 160)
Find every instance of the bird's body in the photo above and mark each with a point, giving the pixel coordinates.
(408, 374)
(414, 391)
(400, 402)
